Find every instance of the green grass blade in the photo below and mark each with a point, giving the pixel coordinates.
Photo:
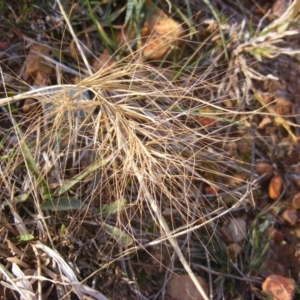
(216, 16)
(83, 174)
(6, 135)
(61, 204)
(31, 164)
(129, 11)
(121, 237)
(108, 44)
(25, 237)
(113, 208)
(187, 20)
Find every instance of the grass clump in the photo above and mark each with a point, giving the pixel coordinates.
(129, 172)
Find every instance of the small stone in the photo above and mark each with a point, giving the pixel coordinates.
(279, 287)
(283, 107)
(296, 201)
(235, 231)
(210, 190)
(233, 249)
(279, 7)
(275, 235)
(267, 97)
(275, 187)
(29, 105)
(226, 235)
(290, 217)
(181, 287)
(271, 267)
(243, 146)
(264, 168)
(237, 228)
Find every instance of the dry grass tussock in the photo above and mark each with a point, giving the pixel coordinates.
(137, 139)
(106, 181)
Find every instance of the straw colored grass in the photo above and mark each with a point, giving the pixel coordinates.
(132, 163)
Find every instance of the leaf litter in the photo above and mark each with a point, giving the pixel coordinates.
(189, 111)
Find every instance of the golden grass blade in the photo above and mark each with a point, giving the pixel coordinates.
(166, 230)
(75, 38)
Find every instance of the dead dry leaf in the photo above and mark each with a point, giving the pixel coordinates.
(41, 79)
(277, 118)
(211, 190)
(159, 33)
(36, 63)
(206, 120)
(104, 60)
(264, 122)
(233, 250)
